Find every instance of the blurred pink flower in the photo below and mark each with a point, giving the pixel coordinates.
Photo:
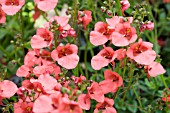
(125, 5)
(11, 7)
(2, 16)
(46, 5)
(84, 17)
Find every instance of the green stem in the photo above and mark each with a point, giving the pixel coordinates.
(118, 7)
(85, 54)
(56, 12)
(22, 30)
(140, 104)
(44, 16)
(164, 82)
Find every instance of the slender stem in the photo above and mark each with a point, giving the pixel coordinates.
(22, 30)
(56, 12)
(85, 54)
(44, 16)
(164, 82)
(140, 104)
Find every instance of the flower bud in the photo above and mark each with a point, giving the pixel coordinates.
(109, 12)
(103, 9)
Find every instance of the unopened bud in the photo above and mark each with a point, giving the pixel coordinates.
(103, 9)
(109, 13)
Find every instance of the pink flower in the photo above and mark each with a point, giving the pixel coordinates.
(61, 22)
(124, 34)
(114, 77)
(69, 106)
(46, 5)
(142, 52)
(112, 22)
(23, 71)
(111, 83)
(125, 5)
(43, 38)
(155, 69)
(101, 34)
(43, 104)
(84, 101)
(84, 17)
(95, 92)
(7, 89)
(66, 56)
(23, 107)
(105, 107)
(103, 58)
(2, 16)
(147, 26)
(121, 54)
(11, 7)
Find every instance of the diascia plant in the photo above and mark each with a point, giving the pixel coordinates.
(57, 78)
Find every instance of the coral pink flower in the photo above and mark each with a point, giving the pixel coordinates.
(32, 58)
(142, 52)
(147, 26)
(43, 104)
(121, 54)
(125, 5)
(66, 56)
(114, 77)
(2, 16)
(101, 34)
(112, 22)
(124, 34)
(7, 89)
(95, 92)
(23, 107)
(105, 107)
(155, 69)
(69, 106)
(46, 5)
(43, 38)
(111, 83)
(48, 82)
(103, 58)
(108, 86)
(61, 22)
(84, 17)
(84, 101)
(23, 71)
(11, 7)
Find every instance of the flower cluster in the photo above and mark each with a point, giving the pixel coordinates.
(120, 32)
(49, 88)
(11, 7)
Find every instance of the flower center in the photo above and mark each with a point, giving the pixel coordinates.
(139, 49)
(107, 55)
(64, 52)
(126, 33)
(12, 2)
